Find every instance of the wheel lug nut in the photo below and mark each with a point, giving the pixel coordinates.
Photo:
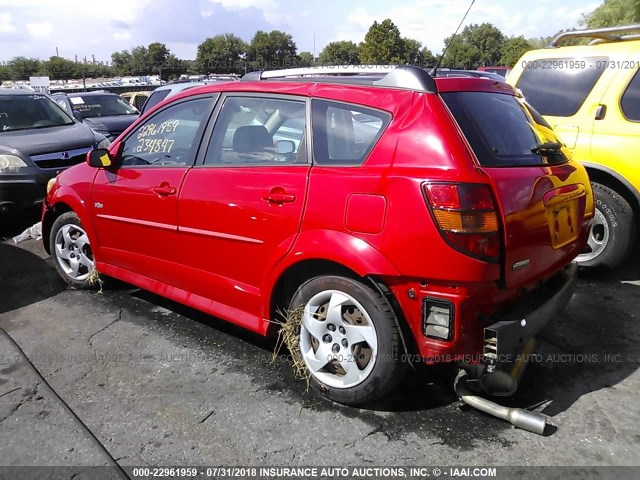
(345, 344)
(331, 327)
(327, 338)
(342, 330)
(335, 348)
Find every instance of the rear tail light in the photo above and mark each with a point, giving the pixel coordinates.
(467, 218)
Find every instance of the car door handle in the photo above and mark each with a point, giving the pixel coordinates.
(165, 190)
(279, 198)
(601, 111)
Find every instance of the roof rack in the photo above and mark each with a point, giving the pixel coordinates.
(600, 35)
(406, 77)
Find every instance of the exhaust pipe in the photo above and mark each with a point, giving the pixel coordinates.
(531, 421)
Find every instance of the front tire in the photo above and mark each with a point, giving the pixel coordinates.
(349, 339)
(71, 251)
(612, 232)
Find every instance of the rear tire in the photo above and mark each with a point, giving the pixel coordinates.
(349, 339)
(612, 232)
(71, 251)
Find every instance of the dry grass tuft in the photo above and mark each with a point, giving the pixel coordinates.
(289, 336)
(94, 279)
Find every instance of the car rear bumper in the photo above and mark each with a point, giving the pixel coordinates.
(509, 335)
(480, 314)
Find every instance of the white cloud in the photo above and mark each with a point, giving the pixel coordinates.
(122, 36)
(6, 25)
(40, 29)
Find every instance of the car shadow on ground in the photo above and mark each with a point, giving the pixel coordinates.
(594, 345)
(585, 349)
(25, 278)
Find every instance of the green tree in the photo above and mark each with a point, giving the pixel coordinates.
(416, 54)
(305, 59)
(539, 42)
(460, 54)
(512, 50)
(340, 53)
(157, 58)
(121, 62)
(22, 68)
(5, 73)
(222, 53)
(271, 50)
(58, 68)
(475, 46)
(612, 13)
(383, 44)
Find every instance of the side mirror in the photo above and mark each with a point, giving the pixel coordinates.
(77, 116)
(100, 158)
(284, 147)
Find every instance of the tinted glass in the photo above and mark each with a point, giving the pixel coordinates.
(258, 131)
(155, 98)
(630, 102)
(21, 112)
(167, 138)
(101, 106)
(501, 130)
(559, 86)
(345, 134)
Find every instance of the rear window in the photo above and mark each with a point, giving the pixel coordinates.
(559, 86)
(501, 130)
(345, 134)
(154, 99)
(630, 102)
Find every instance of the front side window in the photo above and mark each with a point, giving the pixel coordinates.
(258, 131)
(345, 134)
(630, 101)
(558, 87)
(168, 138)
(90, 106)
(22, 112)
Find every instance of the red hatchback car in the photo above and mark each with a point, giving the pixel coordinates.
(402, 216)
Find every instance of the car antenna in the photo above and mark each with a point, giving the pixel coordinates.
(433, 72)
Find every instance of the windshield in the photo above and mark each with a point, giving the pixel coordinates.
(101, 106)
(503, 131)
(21, 112)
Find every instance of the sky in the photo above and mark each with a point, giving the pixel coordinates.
(36, 28)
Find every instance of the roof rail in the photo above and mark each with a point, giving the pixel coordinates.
(406, 77)
(600, 35)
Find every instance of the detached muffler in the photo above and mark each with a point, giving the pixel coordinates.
(531, 421)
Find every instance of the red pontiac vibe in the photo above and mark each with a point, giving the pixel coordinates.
(402, 214)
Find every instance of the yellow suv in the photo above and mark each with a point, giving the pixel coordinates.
(590, 95)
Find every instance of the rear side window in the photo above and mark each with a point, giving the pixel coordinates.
(502, 131)
(630, 102)
(345, 134)
(559, 86)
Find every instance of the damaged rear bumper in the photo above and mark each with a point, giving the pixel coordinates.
(510, 339)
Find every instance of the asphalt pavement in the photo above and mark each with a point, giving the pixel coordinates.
(156, 383)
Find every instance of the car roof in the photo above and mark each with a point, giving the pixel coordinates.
(18, 91)
(89, 94)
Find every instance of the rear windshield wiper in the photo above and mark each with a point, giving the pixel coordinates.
(549, 147)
